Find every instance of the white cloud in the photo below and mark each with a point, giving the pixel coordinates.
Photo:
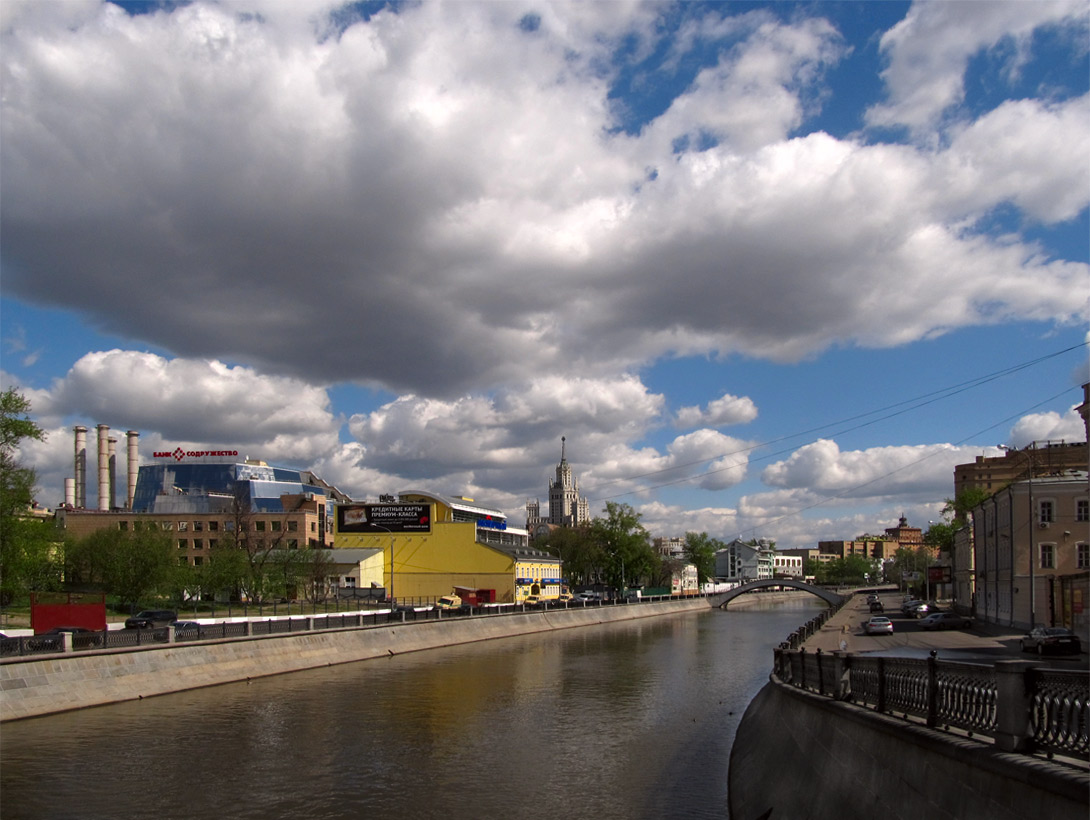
(725, 410)
(438, 202)
(930, 49)
(1051, 426)
(901, 471)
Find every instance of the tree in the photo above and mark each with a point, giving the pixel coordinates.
(700, 549)
(129, 564)
(851, 569)
(26, 547)
(625, 545)
(580, 553)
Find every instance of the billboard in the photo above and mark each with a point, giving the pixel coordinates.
(939, 574)
(383, 518)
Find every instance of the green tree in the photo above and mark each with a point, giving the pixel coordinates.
(133, 565)
(700, 550)
(626, 546)
(580, 553)
(851, 569)
(27, 551)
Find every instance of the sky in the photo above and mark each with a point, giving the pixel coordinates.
(768, 269)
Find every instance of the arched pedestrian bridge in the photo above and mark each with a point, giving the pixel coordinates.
(725, 598)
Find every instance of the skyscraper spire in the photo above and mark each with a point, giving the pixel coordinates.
(563, 439)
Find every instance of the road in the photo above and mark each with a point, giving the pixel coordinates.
(983, 643)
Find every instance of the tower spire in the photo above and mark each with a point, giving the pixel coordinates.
(563, 439)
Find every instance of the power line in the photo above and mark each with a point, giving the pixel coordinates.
(906, 406)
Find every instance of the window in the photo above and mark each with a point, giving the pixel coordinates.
(293, 526)
(1082, 509)
(183, 526)
(168, 526)
(183, 561)
(275, 526)
(228, 526)
(293, 543)
(1082, 556)
(1046, 512)
(313, 527)
(1047, 551)
(259, 526)
(198, 526)
(198, 561)
(123, 526)
(183, 544)
(198, 544)
(213, 526)
(212, 543)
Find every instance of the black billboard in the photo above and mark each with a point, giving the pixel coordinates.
(384, 518)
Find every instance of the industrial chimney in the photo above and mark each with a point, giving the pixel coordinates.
(103, 467)
(80, 499)
(134, 465)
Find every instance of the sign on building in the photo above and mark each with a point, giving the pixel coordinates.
(380, 518)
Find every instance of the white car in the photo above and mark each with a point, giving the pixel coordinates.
(878, 625)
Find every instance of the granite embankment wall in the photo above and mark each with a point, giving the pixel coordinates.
(57, 683)
(801, 756)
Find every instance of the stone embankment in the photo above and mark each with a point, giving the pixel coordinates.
(799, 754)
(56, 683)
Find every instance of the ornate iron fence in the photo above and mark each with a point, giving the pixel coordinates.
(1022, 706)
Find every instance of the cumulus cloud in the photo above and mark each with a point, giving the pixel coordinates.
(440, 201)
(194, 401)
(929, 51)
(1042, 427)
(725, 410)
(902, 471)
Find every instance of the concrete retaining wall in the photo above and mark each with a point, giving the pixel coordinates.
(43, 686)
(798, 755)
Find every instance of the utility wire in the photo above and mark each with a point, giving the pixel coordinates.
(906, 406)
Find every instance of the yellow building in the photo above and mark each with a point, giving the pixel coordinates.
(432, 544)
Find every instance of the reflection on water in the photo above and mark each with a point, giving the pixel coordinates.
(623, 721)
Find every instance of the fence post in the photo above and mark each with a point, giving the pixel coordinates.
(1013, 704)
(171, 633)
(881, 706)
(821, 672)
(802, 667)
(932, 689)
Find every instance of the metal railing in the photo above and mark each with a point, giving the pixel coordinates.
(1022, 707)
(403, 612)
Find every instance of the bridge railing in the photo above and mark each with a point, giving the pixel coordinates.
(1020, 706)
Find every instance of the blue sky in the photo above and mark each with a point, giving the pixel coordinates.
(771, 268)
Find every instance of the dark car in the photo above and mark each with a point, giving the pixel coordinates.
(82, 638)
(151, 619)
(945, 620)
(1049, 639)
(876, 606)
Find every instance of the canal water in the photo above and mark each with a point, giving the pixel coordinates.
(631, 720)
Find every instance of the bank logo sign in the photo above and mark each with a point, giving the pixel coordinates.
(384, 518)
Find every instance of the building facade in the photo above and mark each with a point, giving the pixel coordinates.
(567, 508)
(433, 544)
(740, 561)
(1031, 544)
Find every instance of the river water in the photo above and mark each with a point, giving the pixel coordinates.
(631, 720)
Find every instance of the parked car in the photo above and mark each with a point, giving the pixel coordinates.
(82, 638)
(151, 619)
(918, 609)
(1049, 639)
(907, 607)
(533, 601)
(564, 597)
(878, 625)
(945, 620)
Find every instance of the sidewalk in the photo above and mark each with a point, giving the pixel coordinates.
(844, 630)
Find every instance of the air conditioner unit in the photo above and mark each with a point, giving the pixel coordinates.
(1044, 525)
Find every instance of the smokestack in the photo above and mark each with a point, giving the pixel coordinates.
(103, 467)
(70, 492)
(81, 468)
(113, 473)
(134, 465)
